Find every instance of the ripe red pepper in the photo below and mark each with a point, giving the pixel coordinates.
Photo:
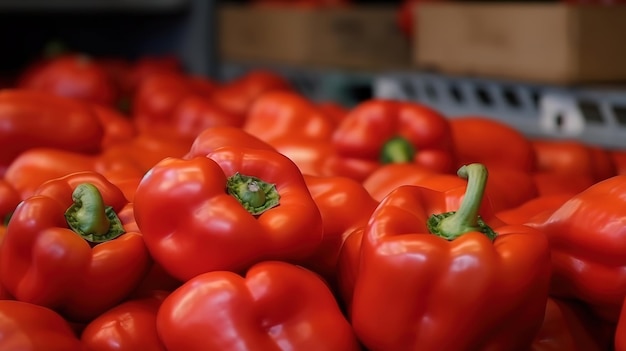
(506, 188)
(237, 95)
(43, 164)
(226, 211)
(312, 156)
(276, 114)
(29, 327)
(143, 151)
(344, 205)
(564, 329)
(117, 127)
(129, 326)
(34, 119)
(145, 67)
(9, 199)
(573, 158)
(215, 137)
(158, 96)
(71, 75)
(434, 269)
(66, 249)
(555, 183)
(588, 240)
(492, 143)
(384, 131)
(276, 306)
(533, 209)
(194, 114)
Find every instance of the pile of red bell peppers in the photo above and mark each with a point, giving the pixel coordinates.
(145, 208)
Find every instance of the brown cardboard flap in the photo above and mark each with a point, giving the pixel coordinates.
(547, 42)
(358, 37)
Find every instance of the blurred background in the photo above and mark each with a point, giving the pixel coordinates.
(542, 66)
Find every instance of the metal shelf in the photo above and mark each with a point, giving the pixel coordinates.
(592, 115)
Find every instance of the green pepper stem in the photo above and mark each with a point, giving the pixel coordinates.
(397, 150)
(451, 225)
(89, 217)
(255, 195)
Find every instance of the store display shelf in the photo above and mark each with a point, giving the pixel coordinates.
(589, 114)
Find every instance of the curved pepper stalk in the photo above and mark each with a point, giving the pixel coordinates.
(90, 218)
(451, 225)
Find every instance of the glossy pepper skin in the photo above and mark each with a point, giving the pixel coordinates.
(71, 75)
(586, 236)
(159, 95)
(288, 113)
(215, 137)
(29, 327)
(129, 326)
(275, 306)
(344, 205)
(36, 119)
(492, 143)
(61, 251)
(564, 328)
(237, 95)
(386, 131)
(506, 188)
(44, 164)
(573, 158)
(490, 285)
(226, 211)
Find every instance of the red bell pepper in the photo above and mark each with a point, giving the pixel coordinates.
(143, 151)
(276, 306)
(226, 211)
(573, 158)
(146, 67)
(555, 183)
(215, 137)
(29, 327)
(129, 326)
(71, 75)
(533, 209)
(344, 205)
(9, 199)
(196, 113)
(277, 114)
(565, 329)
(43, 164)
(117, 127)
(384, 131)
(159, 95)
(237, 95)
(588, 240)
(492, 143)
(436, 266)
(312, 156)
(34, 119)
(66, 249)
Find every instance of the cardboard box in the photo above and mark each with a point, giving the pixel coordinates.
(539, 42)
(358, 37)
